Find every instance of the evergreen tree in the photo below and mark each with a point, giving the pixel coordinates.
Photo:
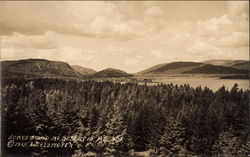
(229, 145)
(173, 141)
(118, 139)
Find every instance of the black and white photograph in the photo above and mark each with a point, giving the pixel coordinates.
(124, 78)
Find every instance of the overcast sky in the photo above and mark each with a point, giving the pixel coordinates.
(127, 35)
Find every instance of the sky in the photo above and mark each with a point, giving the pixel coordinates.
(127, 35)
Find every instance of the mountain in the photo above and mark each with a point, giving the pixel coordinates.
(170, 68)
(83, 70)
(190, 68)
(38, 67)
(213, 69)
(111, 73)
(237, 64)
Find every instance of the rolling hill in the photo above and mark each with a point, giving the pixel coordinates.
(237, 64)
(38, 67)
(169, 68)
(213, 69)
(83, 70)
(190, 68)
(110, 72)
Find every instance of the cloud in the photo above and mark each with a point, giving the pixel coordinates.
(201, 47)
(238, 8)
(153, 12)
(237, 39)
(229, 30)
(19, 41)
(34, 18)
(92, 19)
(66, 54)
(108, 28)
(157, 53)
(16, 54)
(103, 19)
(214, 26)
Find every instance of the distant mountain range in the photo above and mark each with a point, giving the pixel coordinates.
(46, 68)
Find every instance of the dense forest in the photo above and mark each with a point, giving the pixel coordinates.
(113, 119)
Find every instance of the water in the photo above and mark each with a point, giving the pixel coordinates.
(212, 83)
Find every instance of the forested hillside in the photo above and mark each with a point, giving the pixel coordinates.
(38, 68)
(110, 72)
(118, 119)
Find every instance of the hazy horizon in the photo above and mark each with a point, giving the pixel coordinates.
(127, 35)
